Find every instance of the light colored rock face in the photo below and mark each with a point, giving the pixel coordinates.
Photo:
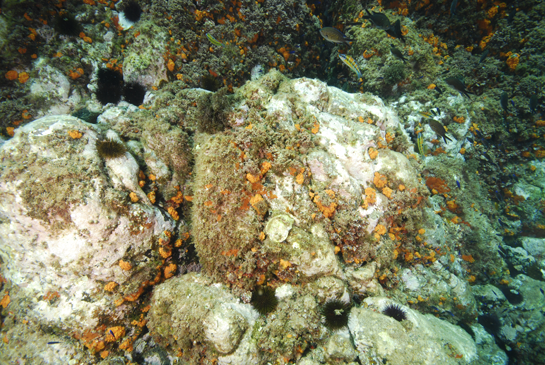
(141, 62)
(314, 256)
(534, 246)
(189, 308)
(421, 339)
(65, 228)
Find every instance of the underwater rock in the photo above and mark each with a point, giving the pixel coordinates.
(313, 254)
(50, 84)
(488, 294)
(362, 280)
(142, 63)
(189, 309)
(422, 339)
(487, 348)
(339, 347)
(65, 231)
(521, 315)
(534, 246)
(124, 170)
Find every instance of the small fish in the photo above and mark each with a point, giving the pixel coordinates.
(397, 53)
(53, 342)
(503, 101)
(334, 35)
(458, 85)
(541, 290)
(379, 20)
(458, 184)
(483, 55)
(213, 40)
(438, 89)
(113, 334)
(349, 61)
(439, 129)
(511, 16)
(395, 31)
(435, 111)
(533, 103)
(453, 8)
(425, 114)
(420, 144)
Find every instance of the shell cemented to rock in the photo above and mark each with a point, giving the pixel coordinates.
(278, 227)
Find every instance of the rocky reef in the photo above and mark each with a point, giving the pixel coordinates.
(209, 183)
(307, 190)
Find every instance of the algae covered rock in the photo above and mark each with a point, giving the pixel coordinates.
(422, 339)
(188, 310)
(67, 234)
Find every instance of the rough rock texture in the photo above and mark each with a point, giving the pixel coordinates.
(65, 228)
(420, 339)
(189, 310)
(300, 164)
(309, 190)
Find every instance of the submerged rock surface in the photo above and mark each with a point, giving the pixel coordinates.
(308, 190)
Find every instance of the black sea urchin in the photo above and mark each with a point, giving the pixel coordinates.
(395, 311)
(110, 83)
(336, 313)
(210, 83)
(66, 24)
(511, 295)
(134, 93)
(132, 11)
(490, 322)
(264, 300)
(110, 148)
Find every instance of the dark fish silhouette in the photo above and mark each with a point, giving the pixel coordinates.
(458, 85)
(397, 53)
(395, 31)
(379, 20)
(453, 8)
(533, 103)
(483, 55)
(439, 129)
(503, 101)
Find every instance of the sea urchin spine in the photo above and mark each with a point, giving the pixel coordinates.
(264, 300)
(110, 148)
(395, 311)
(336, 313)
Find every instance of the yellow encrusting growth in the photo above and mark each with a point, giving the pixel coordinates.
(173, 213)
(110, 286)
(114, 333)
(125, 265)
(75, 134)
(170, 270)
(5, 301)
